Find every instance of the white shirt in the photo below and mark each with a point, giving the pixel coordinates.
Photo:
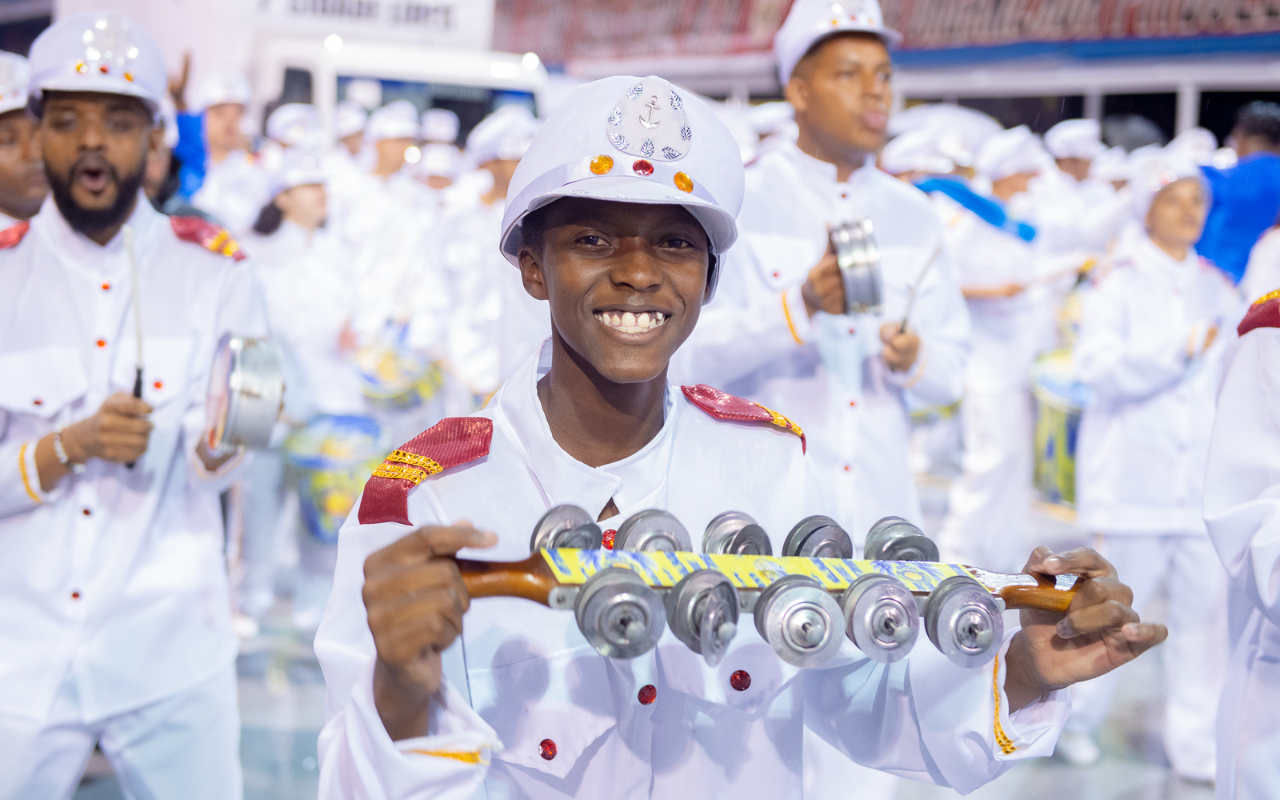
(1240, 506)
(523, 673)
(1143, 440)
(987, 257)
(233, 191)
(311, 298)
(1262, 275)
(755, 339)
(116, 579)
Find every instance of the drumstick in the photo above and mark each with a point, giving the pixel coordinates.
(137, 311)
(915, 287)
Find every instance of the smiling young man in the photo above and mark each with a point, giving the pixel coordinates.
(777, 333)
(114, 609)
(619, 217)
(22, 183)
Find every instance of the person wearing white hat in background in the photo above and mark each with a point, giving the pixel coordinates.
(366, 204)
(1111, 166)
(960, 131)
(23, 186)
(776, 333)
(221, 175)
(491, 324)
(989, 510)
(1152, 343)
(311, 300)
(1240, 512)
(290, 125)
(114, 609)
(619, 216)
(440, 126)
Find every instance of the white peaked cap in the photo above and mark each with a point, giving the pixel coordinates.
(440, 125)
(220, 87)
(348, 119)
(915, 151)
(1111, 165)
(396, 120)
(98, 51)
(771, 118)
(505, 134)
(811, 21)
(1011, 152)
(298, 167)
(961, 131)
(440, 159)
(1197, 144)
(631, 140)
(294, 123)
(1075, 138)
(1152, 168)
(15, 73)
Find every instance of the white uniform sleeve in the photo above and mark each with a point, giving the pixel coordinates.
(358, 759)
(241, 310)
(19, 482)
(1242, 484)
(1116, 362)
(748, 324)
(940, 318)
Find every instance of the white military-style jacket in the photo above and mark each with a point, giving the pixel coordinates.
(1143, 441)
(234, 191)
(756, 340)
(1242, 510)
(311, 300)
(116, 579)
(530, 709)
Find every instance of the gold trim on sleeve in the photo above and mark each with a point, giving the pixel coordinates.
(476, 757)
(415, 460)
(26, 479)
(401, 472)
(791, 325)
(1003, 741)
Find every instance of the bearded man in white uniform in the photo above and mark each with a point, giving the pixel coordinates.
(1240, 496)
(776, 332)
(114, 609)
(620, 228)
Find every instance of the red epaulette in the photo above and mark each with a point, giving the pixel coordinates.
(1265, 313)
(725, 406)
(449, 443)
(10, 236)
(208, 235)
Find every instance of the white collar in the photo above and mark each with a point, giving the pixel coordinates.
(85, 253)
(817, 169)
(634, 483)
(1158, 257)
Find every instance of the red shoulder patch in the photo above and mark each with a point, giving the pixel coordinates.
(722, 405)
(449, 443)
(211, 237)
(10, 236)
(1265, 313)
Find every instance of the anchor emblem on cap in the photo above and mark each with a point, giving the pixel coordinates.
(653, 106)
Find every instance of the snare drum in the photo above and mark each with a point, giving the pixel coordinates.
(1059, 400)
(333, 456)
(858, 257)
(245, 390)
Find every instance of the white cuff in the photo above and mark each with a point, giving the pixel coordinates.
(1032, 731)
(29, 473)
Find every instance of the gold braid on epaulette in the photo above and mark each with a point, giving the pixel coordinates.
(223, 244)
(1266, 297)
(783, 422)
(407, 466)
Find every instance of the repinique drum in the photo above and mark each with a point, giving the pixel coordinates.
(245, 390)
(333, 456)
(1059, 401)
(393, 377)
(858, 256)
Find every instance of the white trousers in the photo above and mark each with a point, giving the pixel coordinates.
(1196, 653)
(989, 511)
(185, 746)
